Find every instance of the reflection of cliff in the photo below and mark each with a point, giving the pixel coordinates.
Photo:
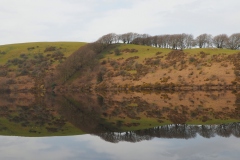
(122, 111)
(177, 107)
(174, 131)
(94, 114)
(15, 99)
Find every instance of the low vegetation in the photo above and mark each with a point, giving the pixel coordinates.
(23, 67)
(140, 62)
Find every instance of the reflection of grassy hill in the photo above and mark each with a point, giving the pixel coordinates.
(36, 119)
(16, 129)
(120, 112)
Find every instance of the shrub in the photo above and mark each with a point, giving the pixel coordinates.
(158, 53)
(15, 61)
(3, 73)
(122, 72)
(113, 63)
(191, 59)
(115, 66)
(156, 62)
(117, 52)
(24, 56)
(110, 74)
(57, 54)
(99, 77)
(30, 48)
(11, 81)
(132, 58)
(103, 62)
(23, 72)
(133, 50)
(51, 48)
(2, 52)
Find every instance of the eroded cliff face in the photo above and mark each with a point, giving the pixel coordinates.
(171, 70)
(119, 67)
(175, 68)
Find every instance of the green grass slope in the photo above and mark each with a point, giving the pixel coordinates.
(11, 51)
(20, 64)
(148, 51)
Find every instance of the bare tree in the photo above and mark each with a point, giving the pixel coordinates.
(234, 41)
(116, 38)
(220, 41)
(189, 41)
(166, 41)
(154, 40)
(137, 41)
(107, 39)
(173, 41)
(123, 38)
(204, 40)
(184, 40)
(128, 37)
(143, 39)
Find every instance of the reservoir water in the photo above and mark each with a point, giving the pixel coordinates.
(133, 125)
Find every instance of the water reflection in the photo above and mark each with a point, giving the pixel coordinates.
(121, 116)
(105, 123)
(174, 131)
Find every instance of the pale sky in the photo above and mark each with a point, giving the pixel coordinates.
(87, 20)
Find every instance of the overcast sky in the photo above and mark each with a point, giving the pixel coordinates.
(87, 20)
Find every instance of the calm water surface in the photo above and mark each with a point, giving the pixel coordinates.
(170, 126)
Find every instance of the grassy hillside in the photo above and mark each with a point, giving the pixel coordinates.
(120, 66)
(11, 51)
(22, 64)
(148, 52)
(134, 65)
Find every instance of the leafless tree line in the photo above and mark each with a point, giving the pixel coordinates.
(174, 41)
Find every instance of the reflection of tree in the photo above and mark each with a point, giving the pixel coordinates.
(235, 129)
(207, 131)
(223, 130)
(171, 131)
(130, 136)
(174, 131)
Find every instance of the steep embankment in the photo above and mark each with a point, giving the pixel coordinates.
(137, 67)
(69, 66)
